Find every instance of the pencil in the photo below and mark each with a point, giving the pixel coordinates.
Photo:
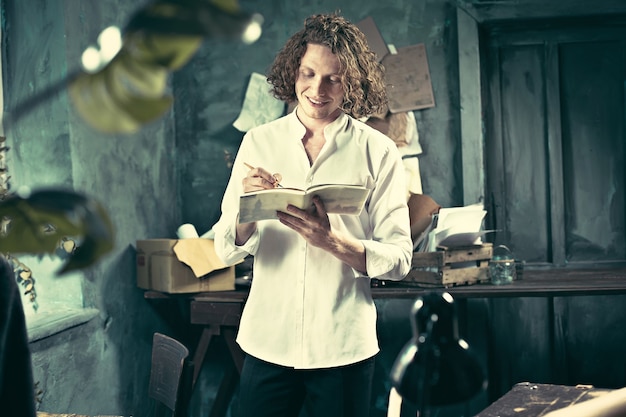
(251, 167)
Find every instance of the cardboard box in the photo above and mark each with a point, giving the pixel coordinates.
(182, 266)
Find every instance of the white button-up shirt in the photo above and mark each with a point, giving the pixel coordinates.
(307, 309)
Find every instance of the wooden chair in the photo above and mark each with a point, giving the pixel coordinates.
(171, 376)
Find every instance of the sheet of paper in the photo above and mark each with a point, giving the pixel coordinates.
(408, 80)
(452, 240)
(402, 129)
(374, 38)
(259, 105)
(413, 175)
(456, 226)
(464, 221)
(394, 125)
(410, 154)
(413, 147)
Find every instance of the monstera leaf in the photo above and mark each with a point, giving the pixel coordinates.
(36, 223)
(113, 101)
(206, 18)
(130, 90)
(127, 89)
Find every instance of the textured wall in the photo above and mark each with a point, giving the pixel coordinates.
(210, 90)
(101, 367)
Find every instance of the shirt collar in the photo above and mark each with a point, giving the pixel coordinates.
(330, 131)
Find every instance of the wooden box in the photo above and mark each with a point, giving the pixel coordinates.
(451, 266)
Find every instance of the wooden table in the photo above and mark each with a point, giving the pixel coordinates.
(527, 399)
(219, 312)
(45, 414)
(535, 283)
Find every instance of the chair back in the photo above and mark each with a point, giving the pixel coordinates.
(171, 373)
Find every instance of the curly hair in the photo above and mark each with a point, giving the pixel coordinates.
(362, 76)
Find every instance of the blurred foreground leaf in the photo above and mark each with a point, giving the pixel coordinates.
(128, 88)
(209, 19)
(131, 89)
(38, 222)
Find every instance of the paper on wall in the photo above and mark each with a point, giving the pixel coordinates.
(407, 76)
(374, 38)
(402, 129)
(259, 105)
(413, 147)
(413, 176)
(410, 154)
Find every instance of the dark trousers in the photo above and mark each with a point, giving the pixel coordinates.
(268, 390)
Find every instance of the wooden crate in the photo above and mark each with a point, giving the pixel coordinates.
(451, 266)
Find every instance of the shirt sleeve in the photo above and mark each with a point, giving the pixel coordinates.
(226, 227)
(225, 247)
(390, 250)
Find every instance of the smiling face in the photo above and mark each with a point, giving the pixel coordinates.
(318, 86)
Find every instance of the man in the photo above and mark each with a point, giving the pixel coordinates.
(309, 323)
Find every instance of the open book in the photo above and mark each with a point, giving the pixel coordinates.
(337, 198)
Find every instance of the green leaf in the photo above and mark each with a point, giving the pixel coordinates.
(210, 19)
(70, 214)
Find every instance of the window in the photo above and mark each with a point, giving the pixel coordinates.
(59, 299)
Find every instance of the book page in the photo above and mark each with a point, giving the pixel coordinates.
(340, 199)
(263, 205)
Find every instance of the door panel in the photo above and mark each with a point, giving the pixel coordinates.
(592, 97)
(556, 172)
(524, 156)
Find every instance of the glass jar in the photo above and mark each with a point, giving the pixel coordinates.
(502, 266)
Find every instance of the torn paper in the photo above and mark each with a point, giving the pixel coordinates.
(259, 105)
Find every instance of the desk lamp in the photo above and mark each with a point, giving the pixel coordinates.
(436, 367)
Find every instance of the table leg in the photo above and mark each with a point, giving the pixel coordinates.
(232, 370)
(237, 355)
(226, 390)
(203, 344)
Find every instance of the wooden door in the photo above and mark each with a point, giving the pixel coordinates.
(555, 140)
(555, 185)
